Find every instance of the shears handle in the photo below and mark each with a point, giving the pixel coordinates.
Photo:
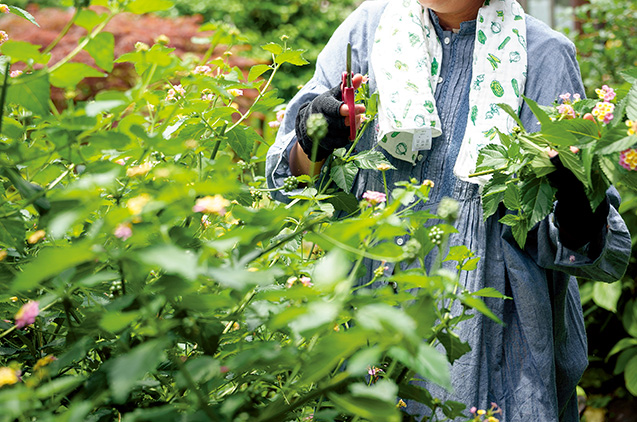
(348, 98)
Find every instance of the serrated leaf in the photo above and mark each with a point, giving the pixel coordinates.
(520, 232)
(618, 146)
(537, 200)
(126, 370)
(22, 51)
(631, 105)
(490, 292)
(257, 70)
(242, 140)
(370, 160)
(273, 48)
(50, 262)
(454, 347)
(492, 156)
(88, 19)
(427, 362)
(140, 7)
(70, 74)
(493, 194)
(509, 219)
(343, 174)
(23, 14)
(512, 197)
(101, 48)
(479, 305)
(509, 110)
(574, 163)
(540, 114)
(294, 57)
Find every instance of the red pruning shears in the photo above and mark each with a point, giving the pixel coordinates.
(348, 93)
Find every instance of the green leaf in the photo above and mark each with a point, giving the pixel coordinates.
(273, 48)
(22, 51)
(50, 262)
(510, 219)
(172, 259)
(454, 347)
(630, 376)
(12, 232)
(512, 197)
(493, 194)
(427, 362)
(492, 156)
(31, 92)
(509, 110)
(366, 408)
(343, 201)
(622, 345)
(242, 139)
(480, 306)
(388, 250)
(126, 370)
(606, 295)
(540, 114)
(23, 14)
(294, 57)
(631, 103)
(257, 70)
(490, 292)
(343, 174)
(139, 7)
(629, 318)
(58, 386)
(89, 19)
(573, 162)
(95, 108)
(101, 48)
(537, 200)
(520, 232)
(370, 160)
(618, 146)
(70, 74)
(117, 321)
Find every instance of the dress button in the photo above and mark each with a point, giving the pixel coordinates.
(447, 40)
(440, 79)
(419, 157)
(400, 241)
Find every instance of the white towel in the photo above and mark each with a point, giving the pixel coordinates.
(406, 59)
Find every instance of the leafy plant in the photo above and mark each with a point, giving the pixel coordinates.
(146, 274)
(592, 140)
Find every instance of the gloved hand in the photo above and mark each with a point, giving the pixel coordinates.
(328, 104)
(577, 223)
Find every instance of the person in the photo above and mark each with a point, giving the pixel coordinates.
(439, 66)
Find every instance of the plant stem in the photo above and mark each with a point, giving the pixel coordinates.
(490, 171)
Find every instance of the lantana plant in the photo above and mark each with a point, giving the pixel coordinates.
(595, 139)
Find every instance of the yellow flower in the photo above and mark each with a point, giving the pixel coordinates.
(42, 362)
(401, 403)
(632, 127)
(139, 170)
(492, 419)
(36, 237)
(4, 8)
(481, 412)
(3, 254)
(136, 205)
(383, 167)
(8, 376)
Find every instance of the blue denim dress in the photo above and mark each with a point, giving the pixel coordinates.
(531, 365)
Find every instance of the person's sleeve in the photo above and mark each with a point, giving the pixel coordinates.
(553, 70)
(357, 29)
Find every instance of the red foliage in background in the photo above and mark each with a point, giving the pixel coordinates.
(127, 29)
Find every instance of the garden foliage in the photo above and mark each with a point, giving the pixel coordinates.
(145, 273)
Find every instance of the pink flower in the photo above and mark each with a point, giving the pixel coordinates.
(566, 110)
(123, 231)
(606, 93)
(374, 198)
(374, 371)
(628, 159)
(4, 8)
(15, 73)
(279, 118)
(306, 281)
(565, 97)
(365, 79)
(604, 111)
(172, 92)
(27, 313)
(202, 70)
(473, 410)
(3, 37)
(211, 205)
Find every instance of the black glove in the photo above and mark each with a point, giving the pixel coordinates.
(328, 104)
(577, 223)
